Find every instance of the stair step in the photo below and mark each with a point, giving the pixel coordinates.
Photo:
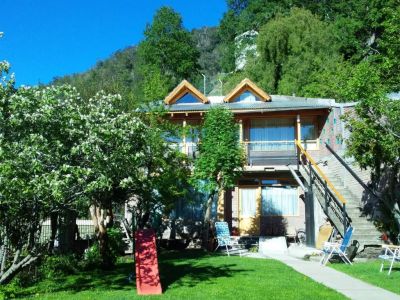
(366, 237)
(359, 226)
(365, 231)
(370, 242)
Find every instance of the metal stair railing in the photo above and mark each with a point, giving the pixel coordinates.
(333, 203)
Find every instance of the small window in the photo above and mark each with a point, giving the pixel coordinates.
(269, 181)
(249, 181)
(308, 131)
(280, 201)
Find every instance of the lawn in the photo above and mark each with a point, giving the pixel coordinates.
(190, 275)
(369, 272)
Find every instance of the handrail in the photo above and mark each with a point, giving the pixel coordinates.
(319, 171)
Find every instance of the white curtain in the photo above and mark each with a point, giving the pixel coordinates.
(272, 135)
(279, 201)
(248, 202)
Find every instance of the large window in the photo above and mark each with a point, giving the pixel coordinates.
(280, 201)
(248, 199)
(272, 135)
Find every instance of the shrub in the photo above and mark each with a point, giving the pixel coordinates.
(92, 257)
(116, 244)
(55, 266)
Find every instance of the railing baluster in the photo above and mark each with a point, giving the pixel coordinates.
(344, 218)
(311, 175)
(326, 196)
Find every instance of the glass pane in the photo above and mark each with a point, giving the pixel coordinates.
(248, 202)
(246, 96)
(308, 131)
(248, 181)
(188, 98)
(192, 135)
(269, 181)
(279, 201)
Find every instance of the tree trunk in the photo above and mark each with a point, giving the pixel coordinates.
(99, 218)
(3, 256)
(67, 231)
(16, 267)
(53, 228)
(207, 217)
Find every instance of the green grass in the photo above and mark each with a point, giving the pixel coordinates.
(190, 275)
(369, 272)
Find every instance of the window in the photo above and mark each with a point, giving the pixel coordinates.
(246, 97)
(248, 201)
(272, 135)
(280, 201)
(308, 130)
(188, 98)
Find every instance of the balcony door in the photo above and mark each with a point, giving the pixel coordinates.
(272, 134)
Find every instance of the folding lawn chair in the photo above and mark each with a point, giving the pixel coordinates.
(224, 238)
(331, 249)
(391, 254)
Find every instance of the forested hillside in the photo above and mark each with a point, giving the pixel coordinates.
(306, 48)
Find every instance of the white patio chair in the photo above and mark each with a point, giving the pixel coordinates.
(391, 254)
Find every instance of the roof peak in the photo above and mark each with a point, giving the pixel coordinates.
(247, 85)
(183, 88)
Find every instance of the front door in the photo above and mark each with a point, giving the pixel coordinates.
(249, 221)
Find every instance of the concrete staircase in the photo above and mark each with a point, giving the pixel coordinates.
(346, 184)
(365, 231)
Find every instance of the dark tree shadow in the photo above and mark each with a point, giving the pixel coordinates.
(382, 201)
(187, 272)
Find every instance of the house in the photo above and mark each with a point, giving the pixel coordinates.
(286, 185)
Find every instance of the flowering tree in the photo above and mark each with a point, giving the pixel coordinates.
(59, 154)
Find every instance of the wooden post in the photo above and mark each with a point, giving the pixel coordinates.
(220, 206)
(184, 150)
(258, 211)
(241, 131)
(298, 128)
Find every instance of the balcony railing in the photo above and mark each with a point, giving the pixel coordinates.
(262, 153)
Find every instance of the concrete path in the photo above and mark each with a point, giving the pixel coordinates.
(341, 282)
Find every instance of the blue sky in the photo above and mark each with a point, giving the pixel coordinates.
(47, 38)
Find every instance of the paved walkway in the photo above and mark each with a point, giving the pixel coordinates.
(343, 283)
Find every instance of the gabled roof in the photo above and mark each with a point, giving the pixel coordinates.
(183, 88)
(247, 85)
